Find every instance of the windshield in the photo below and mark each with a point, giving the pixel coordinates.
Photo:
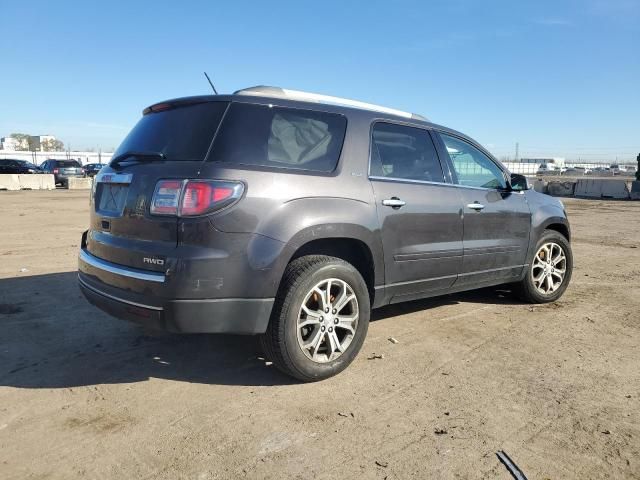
(181, 133)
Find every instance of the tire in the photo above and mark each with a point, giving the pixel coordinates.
(306, 280)
(528, 289)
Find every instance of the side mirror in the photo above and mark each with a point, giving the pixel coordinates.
(519, 182)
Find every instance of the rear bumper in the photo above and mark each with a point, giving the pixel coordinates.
(247, 316)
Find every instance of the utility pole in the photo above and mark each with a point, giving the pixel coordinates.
(517, 151)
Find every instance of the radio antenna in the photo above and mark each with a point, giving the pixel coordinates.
(211, 83)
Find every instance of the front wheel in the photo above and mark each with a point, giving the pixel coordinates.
(549, 270)
(320, 318)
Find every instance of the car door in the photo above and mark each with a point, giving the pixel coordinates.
(418, 210)
(496, 220)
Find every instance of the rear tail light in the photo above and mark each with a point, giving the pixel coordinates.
(55, 170)
(166, 197)
(187, 198)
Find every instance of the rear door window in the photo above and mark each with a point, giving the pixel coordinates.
(180, 133)
(403, 152)
(268, 136)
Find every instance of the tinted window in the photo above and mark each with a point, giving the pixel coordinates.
(473, 168)
(67, 163)
(404, 152)
(181, 133)
(280, 137)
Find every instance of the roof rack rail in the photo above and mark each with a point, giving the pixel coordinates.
(277, 92)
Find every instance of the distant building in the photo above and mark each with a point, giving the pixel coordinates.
(33, 143)
(10, 143)
(36, 141)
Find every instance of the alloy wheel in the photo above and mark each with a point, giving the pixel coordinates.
(549, 268)
(327, 320)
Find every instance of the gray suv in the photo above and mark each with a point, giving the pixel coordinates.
(292, 215)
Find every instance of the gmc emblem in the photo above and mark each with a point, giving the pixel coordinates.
(153, 261)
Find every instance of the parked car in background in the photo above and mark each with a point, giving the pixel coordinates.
(303, 214)
(62, 170)
(602, 171)
(617, 169)
(9, 165)
(92, 169)
(550, 169)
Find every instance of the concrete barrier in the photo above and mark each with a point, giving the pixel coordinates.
(26, 182)
(602, 189)
(37, 182)
(539, 185)
(9, 181)
(561, 189)
(615, 189)
(79, 183)
(635, 190)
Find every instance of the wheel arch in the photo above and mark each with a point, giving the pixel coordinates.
(351, 250)
(352, 243)
(561, 228)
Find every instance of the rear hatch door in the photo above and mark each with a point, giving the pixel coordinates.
(68, 168)
(122, 228)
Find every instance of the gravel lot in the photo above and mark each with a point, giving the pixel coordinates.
(557, 386)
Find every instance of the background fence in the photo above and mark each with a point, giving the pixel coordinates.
(573, 169)
(39, 157)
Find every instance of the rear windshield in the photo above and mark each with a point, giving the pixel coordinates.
(268, 136)
(181, 133)
(67, 163)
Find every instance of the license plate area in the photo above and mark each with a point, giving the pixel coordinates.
(113, 197)
(112, 194)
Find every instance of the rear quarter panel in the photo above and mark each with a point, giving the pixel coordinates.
(295, 207)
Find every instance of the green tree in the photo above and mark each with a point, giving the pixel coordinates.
(52, 145)
(23, 140)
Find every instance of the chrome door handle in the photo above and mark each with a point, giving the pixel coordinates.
(475, 206)
(394, 202)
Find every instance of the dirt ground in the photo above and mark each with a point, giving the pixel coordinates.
(557, 387)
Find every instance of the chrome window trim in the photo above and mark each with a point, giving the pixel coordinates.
(445, 184)
(409, 180)
(488, 189)
(117, 299)
(118, 270)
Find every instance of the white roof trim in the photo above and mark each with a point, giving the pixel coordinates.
(264, 91)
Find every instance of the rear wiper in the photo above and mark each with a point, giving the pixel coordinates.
(143, 156)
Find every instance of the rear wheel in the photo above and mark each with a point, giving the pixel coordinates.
(549, 270)
(319, 320)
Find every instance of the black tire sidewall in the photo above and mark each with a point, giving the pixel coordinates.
(307, 367)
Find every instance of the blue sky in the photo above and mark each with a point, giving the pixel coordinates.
(560, 77)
